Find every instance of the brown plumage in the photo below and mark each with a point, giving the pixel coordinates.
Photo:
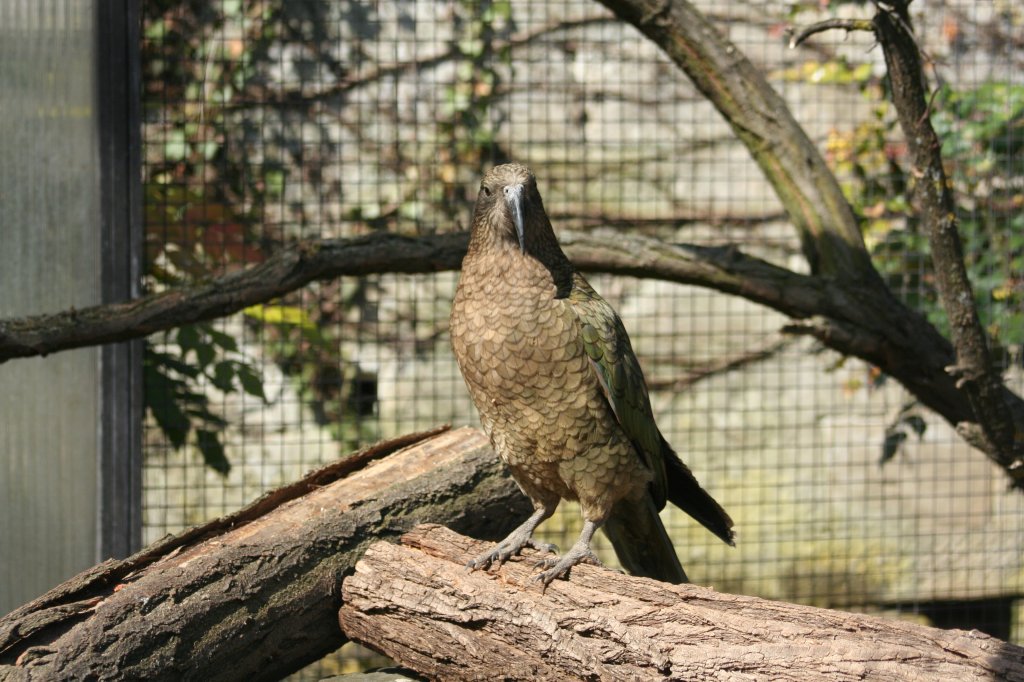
(560, 392)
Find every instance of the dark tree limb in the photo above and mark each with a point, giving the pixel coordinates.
(974, 370)
(255, 595)
(986, 414)
(417, 603)
(862, 321)
(829, 233)
(992, 424)
(288, 269)
(848, 25)
(725, 269)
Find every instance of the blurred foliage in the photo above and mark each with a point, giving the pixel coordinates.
(982, 132)
(233, 92)
(466, 126)
(307, 348)
(210, 176)
(176, 386)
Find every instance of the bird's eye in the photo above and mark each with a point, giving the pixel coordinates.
(486, 190)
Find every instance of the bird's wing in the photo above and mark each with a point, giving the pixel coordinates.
(622, 380)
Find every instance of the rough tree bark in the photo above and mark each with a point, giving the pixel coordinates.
(974, 370)
(255, 595)
(417, 603)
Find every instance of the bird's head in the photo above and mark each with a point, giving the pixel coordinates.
(509, 208)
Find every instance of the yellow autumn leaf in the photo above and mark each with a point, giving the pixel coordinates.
(280, 314)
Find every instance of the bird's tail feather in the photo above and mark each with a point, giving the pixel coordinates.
(685, 492)
(641, 542)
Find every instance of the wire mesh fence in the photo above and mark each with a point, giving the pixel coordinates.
(267, 122)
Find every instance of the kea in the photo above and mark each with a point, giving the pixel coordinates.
(560, 392)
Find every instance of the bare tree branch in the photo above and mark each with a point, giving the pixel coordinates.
(828, 25)
(292, 97)
(991, 425)
(855, 320)
(287, 269)
(718, 366)
(828, 229)
(973, 369)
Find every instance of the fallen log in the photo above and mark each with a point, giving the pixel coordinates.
(417, 603)
(255, 595)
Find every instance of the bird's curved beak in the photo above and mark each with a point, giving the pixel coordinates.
(514, 199)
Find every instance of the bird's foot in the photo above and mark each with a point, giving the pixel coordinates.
(506, 549)
(559, 567)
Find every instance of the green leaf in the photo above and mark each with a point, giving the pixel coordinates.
(273, 179)
(917, 424)
(170, 362)
(223, 376)
(188, 338)
(252, 383)
(162, 401)
(200, 409)
(225, 341)
(175, 146)
(205, 354)
(280, 314)
(893, 441)
(209, 444)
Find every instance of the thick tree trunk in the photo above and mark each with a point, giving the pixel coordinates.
(255, 595)
(417, 603)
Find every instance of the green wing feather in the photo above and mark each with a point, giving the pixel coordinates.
(620, 376)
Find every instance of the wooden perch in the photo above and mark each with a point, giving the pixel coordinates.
(255, 595)
(417, 603)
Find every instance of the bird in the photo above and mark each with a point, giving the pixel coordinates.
(561, 394)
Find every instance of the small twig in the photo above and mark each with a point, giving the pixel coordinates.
(829, 24)
(722, 366)
(294, 97)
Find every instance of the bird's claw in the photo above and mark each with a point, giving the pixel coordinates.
(547, 547)
(559, 567)
(505, 551)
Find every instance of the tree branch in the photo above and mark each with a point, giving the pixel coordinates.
(304, 98)
(829, 233)
(417, 603)
(992, 424)
(718, 366)
(255, 595)
(855, 320)
(288, 269)
(973, 369)
(848, 25)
